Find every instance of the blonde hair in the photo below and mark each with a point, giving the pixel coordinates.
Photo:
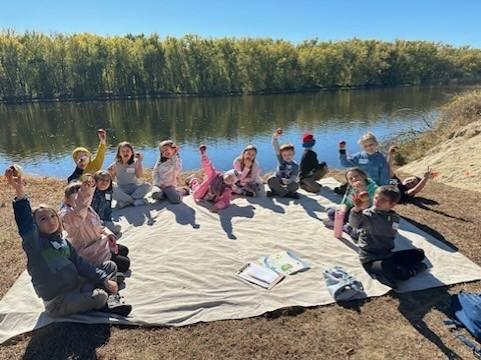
(369, 136)
(48, 207)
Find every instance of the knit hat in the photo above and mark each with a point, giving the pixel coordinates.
(308, 140)
(80, 149)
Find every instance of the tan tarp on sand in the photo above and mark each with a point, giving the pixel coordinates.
(184, 259)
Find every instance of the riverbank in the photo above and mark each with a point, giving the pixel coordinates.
(451, 147)
(169, 95)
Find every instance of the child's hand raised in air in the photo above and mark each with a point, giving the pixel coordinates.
(14, 178)
(202, 149)
(392, 150)
(102, 134)
(278, 133)
(88, 181)
(111, 286)
(361, 201)
(139, 156)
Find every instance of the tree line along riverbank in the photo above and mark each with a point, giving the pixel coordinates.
(39, 67)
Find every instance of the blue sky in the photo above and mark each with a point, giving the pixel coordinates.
(452, 22)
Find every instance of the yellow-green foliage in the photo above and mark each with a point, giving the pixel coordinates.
(36, 65)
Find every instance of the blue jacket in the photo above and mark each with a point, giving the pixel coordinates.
(374, 165)
(52, 262)
(102, 203)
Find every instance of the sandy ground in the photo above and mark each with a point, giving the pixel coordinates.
(457, 160)
(407, 326)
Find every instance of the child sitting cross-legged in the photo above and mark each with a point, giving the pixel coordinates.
(378, 226)
(284, 182)
(165, 174)
(311, 169)
(84, 228)
(65, 281)
(250, 182)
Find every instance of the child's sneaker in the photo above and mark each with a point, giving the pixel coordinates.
(249, 193)
(418, 268)
(328, 223)
(120, 278)
(292, 195)
(139, 202)
(116, 305)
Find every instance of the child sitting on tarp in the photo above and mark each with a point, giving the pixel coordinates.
(378, 226)
(250, 182)
(216, 187)
(83, 158)
(165, 173)
(369, 159)
(65, 281)
(411, 185)
(127, 171)
(311, 169)
(284, 182)
(84, 228)
(357, 183)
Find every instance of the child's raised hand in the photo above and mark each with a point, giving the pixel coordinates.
(393, 149)
(14, 176)
(111, 286)
(278, 133)
(102, 134)
(88, 181)
(202, 149)
(342, 145)
(139, 156)
(361, 200)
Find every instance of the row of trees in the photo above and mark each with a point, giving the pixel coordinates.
(36, 65)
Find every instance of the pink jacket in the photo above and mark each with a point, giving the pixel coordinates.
(211, 174)
(244, 176)
(85, 230)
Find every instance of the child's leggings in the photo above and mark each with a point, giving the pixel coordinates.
(399, 267)
(77, 301)
(121, 259)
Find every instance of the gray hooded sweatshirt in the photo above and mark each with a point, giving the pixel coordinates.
(377, 231)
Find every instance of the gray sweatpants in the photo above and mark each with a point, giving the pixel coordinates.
(310, 183)
(171, 193)
(78, 301)
(280, 189)
(125, 195)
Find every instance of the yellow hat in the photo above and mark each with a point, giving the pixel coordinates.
(80, 149)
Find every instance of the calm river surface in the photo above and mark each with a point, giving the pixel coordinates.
(41, 136)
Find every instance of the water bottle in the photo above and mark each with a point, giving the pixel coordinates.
(339, 220)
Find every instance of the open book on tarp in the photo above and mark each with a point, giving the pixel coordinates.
(284, 262)
(257, 274)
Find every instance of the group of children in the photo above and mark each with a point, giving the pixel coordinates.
(84, 272)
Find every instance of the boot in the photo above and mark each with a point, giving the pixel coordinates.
(116, 305)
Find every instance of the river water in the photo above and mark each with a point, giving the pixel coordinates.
(41, 136)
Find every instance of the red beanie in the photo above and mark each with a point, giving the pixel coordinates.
(307, 138)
